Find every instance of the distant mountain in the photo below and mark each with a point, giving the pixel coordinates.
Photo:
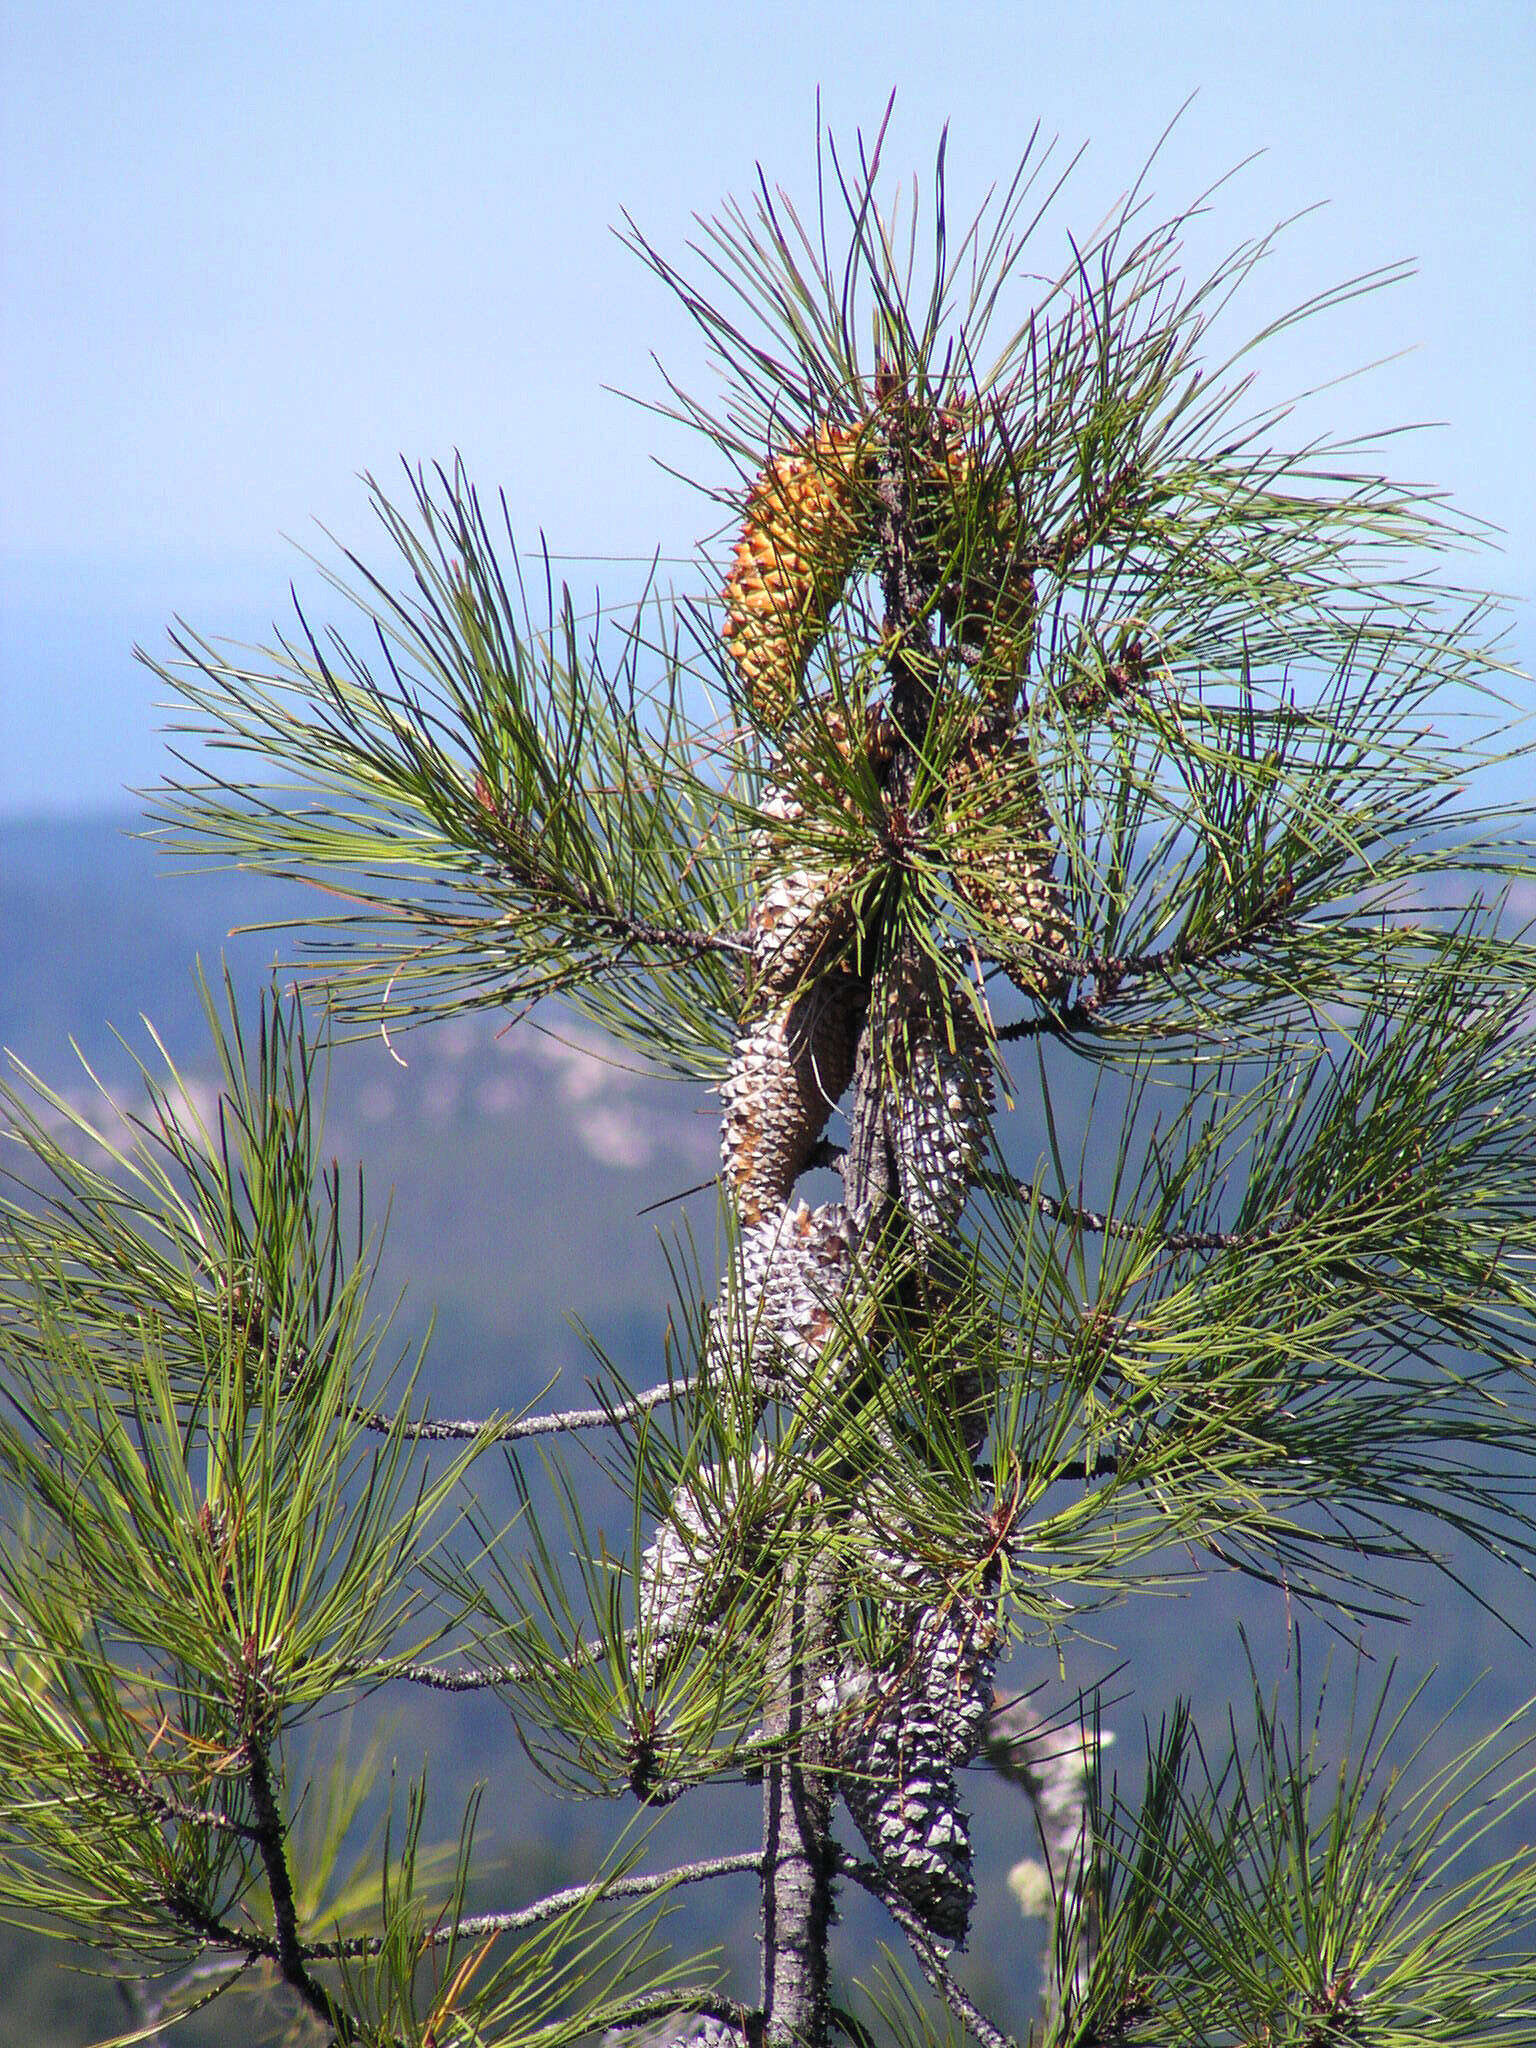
(523, 1158)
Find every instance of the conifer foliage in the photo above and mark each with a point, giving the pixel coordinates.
(1047, 712)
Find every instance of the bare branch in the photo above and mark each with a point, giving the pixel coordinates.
(929, 1957)
(439, 1678)
(444, 1430)
(1105, 1465)
(797, 1800)
(218, 1933)
(290, 1952)
(480, 1925)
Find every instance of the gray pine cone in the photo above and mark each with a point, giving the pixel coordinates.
(701, 2032)
(939, 1111)
(707, 2032)
(903, 1734)
(680, 1585)
(793, 1271)
(801, 912)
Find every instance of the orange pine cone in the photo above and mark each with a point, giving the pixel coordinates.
(798, 547)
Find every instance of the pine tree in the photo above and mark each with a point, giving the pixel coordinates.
(1055, 715)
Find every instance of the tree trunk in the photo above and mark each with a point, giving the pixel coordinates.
(797, 1788)
(797, 1805)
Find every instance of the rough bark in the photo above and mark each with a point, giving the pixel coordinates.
(797, 1844)
(799, 1856)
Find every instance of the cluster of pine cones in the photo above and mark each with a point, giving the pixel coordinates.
(897, 1734)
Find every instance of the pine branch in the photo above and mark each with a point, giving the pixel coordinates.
(688, 940)
(1122, 977)
(437, 1678)
(441, 1430)
(929, 1958)
(162, 1806)
(516, 1921)
(709, 2004)
(797, 1803)
(289, 1950)
(500, 817)
(1096, 1220)
(1085, 530)
(218, 1933)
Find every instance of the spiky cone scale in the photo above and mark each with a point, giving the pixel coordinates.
(802, 918)
(707, 2032)
(785, 1299)
(900, 1738)
(796, 916)
(938, 1111)
(1002, 862)
(800, 541)
(703, 2030)
(788, 1069)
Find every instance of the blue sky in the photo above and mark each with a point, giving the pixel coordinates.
(250, 252)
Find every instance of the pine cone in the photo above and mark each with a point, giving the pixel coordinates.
(903, 1735)
(792, 1273)
(803, 911)
(678, 1572)
(787, 1072)
(939, 1111)
(1003, 871)
(802, 916)
(798, 547)
(708, 2032)
(701, 2031)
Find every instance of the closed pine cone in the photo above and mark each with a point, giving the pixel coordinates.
(789, 1068)
(681, 1577)
(802, 916)
(786, 1299)
(939, 1107)
(1002, 866)
(900, 1737)
(798, 547)
(803, 904)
